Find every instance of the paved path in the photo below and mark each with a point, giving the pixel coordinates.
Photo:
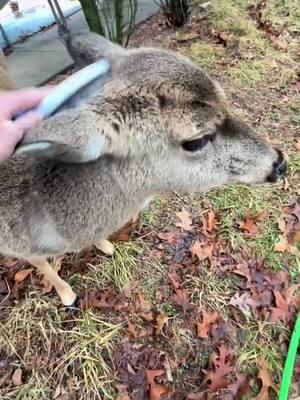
(43, 55)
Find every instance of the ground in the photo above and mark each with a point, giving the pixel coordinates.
(201, 296)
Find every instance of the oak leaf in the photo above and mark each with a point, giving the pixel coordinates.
(222, 363)
(161, 321)
(202, 252)
(17, 377)
(185, 220)
(266, 381)
(156, 390)
(249, 226)
(175, 280)
(243, 302)
(20, 276)
(204, 327)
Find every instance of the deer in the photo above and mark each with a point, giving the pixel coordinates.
(156, 123)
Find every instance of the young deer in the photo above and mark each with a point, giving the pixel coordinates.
(156, 123)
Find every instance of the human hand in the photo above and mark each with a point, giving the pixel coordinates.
(12, 103)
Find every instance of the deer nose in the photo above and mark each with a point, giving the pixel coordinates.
(280, 166)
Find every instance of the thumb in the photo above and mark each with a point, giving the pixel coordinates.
(28, 120)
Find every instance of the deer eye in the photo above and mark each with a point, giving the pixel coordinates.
(197, 144)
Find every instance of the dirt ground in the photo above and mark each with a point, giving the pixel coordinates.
(200, 299)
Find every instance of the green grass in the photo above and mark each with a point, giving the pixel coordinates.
(283, 13)
(294, 166)
(236, 203)
(83, 352)
(117, 270)
(206, 54)
(54, 346)
(261, 343)
(264, 69)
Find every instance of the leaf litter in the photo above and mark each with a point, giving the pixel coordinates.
(175, 344)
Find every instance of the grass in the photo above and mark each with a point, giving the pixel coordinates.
(118, 270)
(209, 292)
(37, 332)
(207, 54)
(260, 343)
(58, 347)
(284, 13)
(253, 72)
(236, 203)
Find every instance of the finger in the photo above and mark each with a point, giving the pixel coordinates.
(22, 100)
(28, 120)
(10, 135)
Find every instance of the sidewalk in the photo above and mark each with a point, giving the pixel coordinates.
(43, 55)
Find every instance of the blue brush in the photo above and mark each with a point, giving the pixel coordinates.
(70, 87)
(75, 87)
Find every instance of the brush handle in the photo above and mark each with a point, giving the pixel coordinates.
(69, 87)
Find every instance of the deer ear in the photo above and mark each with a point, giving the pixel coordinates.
(46, 150)
(86, 48)
(73, 136)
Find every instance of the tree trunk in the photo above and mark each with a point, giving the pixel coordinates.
(118, 11)
(176, 11)
(92, 17)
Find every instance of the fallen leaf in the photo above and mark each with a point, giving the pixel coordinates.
(204, 327)
(107, 299)
(168, 236)
(266, 381)
(161, 320)
(282, 311)
(144, 304)
(175, 280)
(17, 377)
(249, 226)
(132, 330)
(293, 236)
(283, 246)
(209, 221)
(152, 374)
(156, 390)
(222, 364)
(20, 276)
(182, 299)
(185, 220)
(60, 393)
(129, 288)
(124, 234)
(286, 184)
(122, 392)
(240, 388)
(147, 316)
(8, 261)
(63, 396)
(298, 145)
(282, 225)
(202, 252)
(293, 209)
(243, 302)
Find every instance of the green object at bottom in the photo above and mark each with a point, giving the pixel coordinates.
(290, 361)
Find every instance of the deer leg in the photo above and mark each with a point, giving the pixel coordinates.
(63, 289)
(105, 246)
